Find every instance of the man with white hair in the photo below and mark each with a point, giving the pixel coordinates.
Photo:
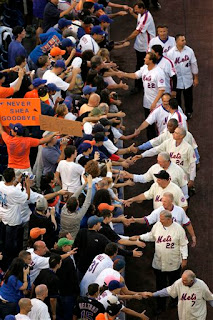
(180, 151)
(39, 309)
(171, 251)
(176, 173)
(192, 295)
(178, 215)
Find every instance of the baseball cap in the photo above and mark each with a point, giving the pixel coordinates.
(60, 64)
(67, 43)
(114, 309)
(162, 175)
(52, 87)
(17, 127)
(64, 242)
(91, 142)
(114, 284)
(37, 82)
(72, 39)
(88, 89)
(85, 146)
(105, 122)
(47, 133)
(98, 6)
(98, 128)
(10, 317)
(105, 18)
(119, 264)
(99, 136)
(95, 112)
(56, 51)
(41, 204)
(64, 23)
(37, 232)
(97, 30)
(68, 101)
(112, 299)
(92, 221)
(110, 278)
(105, 206)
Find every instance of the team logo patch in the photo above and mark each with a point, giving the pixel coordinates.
(161, 81)
(183, 199)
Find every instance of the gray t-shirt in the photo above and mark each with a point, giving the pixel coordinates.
(50, 157)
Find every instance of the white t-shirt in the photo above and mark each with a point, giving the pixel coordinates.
(156, 193)
(153, 80)
(176, 173)
(167, 45)
(70, 173)
(99, 263)
(22, 317)
(183, 61)
(178, 215)
(39, 310)
(70, 116)
(169, 69)
(191, 300)
(38, 264)
(110, 146)
(88, 43)
(106, 273)
(11, 199)
(116, 133)
(183, 155)
(51, 77)
(169, 243)
(146, 27)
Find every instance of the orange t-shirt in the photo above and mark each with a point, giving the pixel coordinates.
(31, 94)
(18, 149)
(6, 92)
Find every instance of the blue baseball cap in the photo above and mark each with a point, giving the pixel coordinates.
(97, 30)
(98, 6)
(92, 221)
(105, 18)
(17, 127)
(52, 87)
(64, 23)
(37, 82)
(114, 284)
(88, 90)
(68, 101)
(60, 64)
(10, 317)
(84, 146)
(67, 43)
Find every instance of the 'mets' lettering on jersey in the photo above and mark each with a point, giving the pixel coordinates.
(164, 239)
(180, 60)
(186, 297)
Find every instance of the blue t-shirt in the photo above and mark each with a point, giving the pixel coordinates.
(48, 40)
(15, 49)
(10, 290)
(38, 8)
(50, 157)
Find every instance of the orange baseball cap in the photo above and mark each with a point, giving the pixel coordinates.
(56, 51)
(105, 206)
(91, 142)
(37, 232)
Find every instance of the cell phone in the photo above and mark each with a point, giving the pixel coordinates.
(86, 174)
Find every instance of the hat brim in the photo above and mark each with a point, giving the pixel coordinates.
(91, 142)
(160, 177)
(38, 84)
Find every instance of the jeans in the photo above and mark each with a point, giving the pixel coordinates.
(188, 98)
(140, 62)
(65, 305)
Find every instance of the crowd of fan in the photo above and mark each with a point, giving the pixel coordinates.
(61, 195)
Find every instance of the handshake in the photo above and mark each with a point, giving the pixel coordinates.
(147, 294)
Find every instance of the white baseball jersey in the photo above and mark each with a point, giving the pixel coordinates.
(153, 80)
(178, 215)
(108, 272)
(104, 297)
(191, 300)
(169, 69)
(183, 155)
(159, 116)
(167, 135)
(166, 44)
(180, 117)
(88, 43)
(170, 246)
(146, 27)
(99, 263)
(183, 61)
(156, 193)
(176, 173)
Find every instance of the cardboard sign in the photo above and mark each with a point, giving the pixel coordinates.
(69, 127)
(24, 111)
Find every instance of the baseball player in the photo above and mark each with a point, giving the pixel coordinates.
(169, 69)
(187, 72)
(192, 295)
(162, 39)
(176, 113)
(153, 79)
(178, 215)
(158, 188)
(175, 172)
(180, 153)
(171, 251)
(144, 31)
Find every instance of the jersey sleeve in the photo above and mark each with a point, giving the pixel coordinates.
(185, 219)
(173, 290)
(191, 155)
(149, 194)
(207, 294)
(148, 175)
(152, 118)
(152, 217)
(181, 200)
(161, 79)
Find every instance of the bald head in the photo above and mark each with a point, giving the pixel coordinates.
(40, 248)
(188, 277)
(41, 291)
(94, 100)
(25, 305)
